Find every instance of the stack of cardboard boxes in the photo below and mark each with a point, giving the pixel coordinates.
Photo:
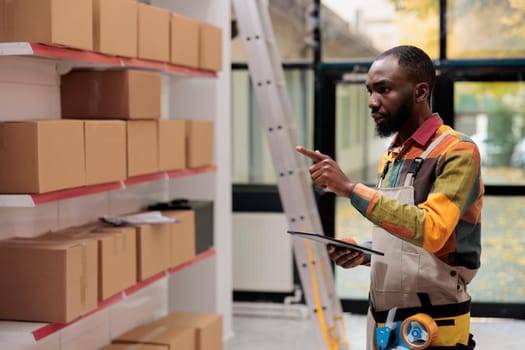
(59, 276)
(47, 155)
(114, 27)
(113, 132)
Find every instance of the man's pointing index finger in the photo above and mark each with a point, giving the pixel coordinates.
(315, 156)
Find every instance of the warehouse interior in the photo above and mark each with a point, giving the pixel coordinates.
(139, 196)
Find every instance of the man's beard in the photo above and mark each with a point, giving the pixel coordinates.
(393, 122)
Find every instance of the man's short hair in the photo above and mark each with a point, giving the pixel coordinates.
(415, 62)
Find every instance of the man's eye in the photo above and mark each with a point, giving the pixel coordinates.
(384, 90)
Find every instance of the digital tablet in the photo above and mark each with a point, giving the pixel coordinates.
(330, 240)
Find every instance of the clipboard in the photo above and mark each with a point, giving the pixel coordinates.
(330, 240)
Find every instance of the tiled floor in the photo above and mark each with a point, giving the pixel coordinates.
(280, 333)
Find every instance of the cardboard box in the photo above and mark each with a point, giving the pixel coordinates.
(117, 261)
(115, 27)
(208, 327)
(47, 281)
(112, 94)
(41, 156)
(55, 22)
(182, 236)
(105, 147)
(143, 148)
(172, 144)
(204, 238)
(117, 255)
(184, 48)
(153, 249)
(154, 33)
(174, 337)
(210, 47)
(136, 347)
(199, 143)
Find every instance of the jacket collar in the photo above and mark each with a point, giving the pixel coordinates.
(423, 134)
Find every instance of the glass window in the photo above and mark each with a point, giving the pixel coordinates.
(251, 158)
(485, 29)
(353, 283)
(492, 113)
(291, 24)
(358, 149)
(501, 277)
(360, 29)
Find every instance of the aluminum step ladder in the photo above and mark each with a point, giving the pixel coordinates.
(293, 178)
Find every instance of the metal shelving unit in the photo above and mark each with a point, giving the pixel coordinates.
(32, 200)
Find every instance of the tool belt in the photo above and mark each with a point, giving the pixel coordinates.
(453, 321)
(434, 311)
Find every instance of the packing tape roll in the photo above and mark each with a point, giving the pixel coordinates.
(418, 331)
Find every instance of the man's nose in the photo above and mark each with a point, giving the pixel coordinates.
(373, 101)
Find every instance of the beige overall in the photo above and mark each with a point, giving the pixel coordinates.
(406, 269)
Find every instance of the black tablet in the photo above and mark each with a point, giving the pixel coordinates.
(330, 240)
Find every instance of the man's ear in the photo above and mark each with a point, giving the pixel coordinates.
(422, 91)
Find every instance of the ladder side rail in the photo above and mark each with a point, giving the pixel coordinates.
(252, 35)
(275, 58)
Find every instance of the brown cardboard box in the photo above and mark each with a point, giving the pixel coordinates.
(105, 145)
(136, 347)
(117, 255)
(199, 143)
(182, 236)
(143, 148)
(115, 27)
(210, 49)
(118, 259)
(172, 144)
(207, 325)
(113, 94)
(184, 46)
(153, 249)
(56, 22)
(174, 337)
(47, 281)
(154, 33)
(41, 156)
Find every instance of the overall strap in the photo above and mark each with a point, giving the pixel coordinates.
(383, 174)
(418, 161)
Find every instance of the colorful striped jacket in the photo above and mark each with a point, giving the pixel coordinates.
(446, 219)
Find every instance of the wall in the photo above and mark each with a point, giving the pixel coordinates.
(262, 259)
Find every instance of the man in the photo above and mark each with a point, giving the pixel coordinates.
(426, 209)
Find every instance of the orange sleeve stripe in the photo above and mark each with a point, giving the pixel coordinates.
(400, 231)
(435, 226)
